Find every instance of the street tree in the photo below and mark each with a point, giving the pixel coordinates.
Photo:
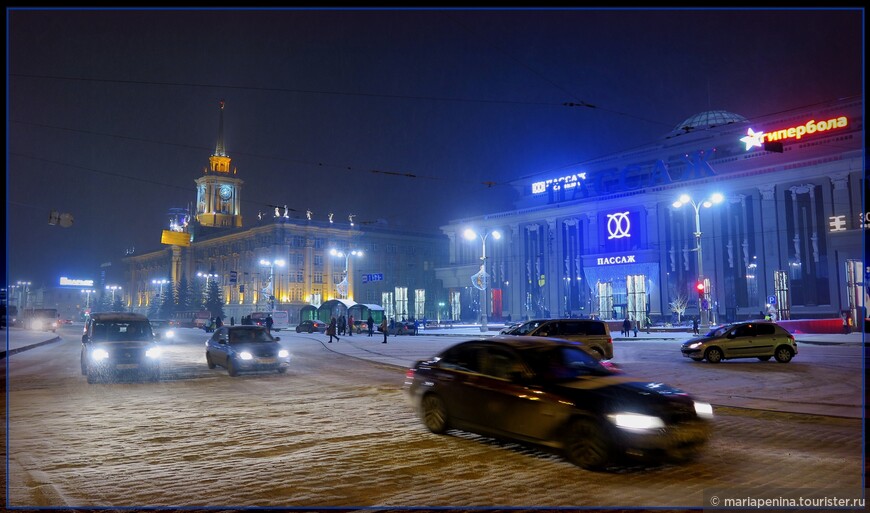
(679, 305)
(214, 301)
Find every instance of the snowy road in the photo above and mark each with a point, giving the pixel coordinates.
(335, 431)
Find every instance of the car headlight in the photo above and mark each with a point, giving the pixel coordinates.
(169, 334)
(283, 353)
(694, 345)
(244, 355)
(99, 355)
(636, 421)
(153, 352)
(704, 410)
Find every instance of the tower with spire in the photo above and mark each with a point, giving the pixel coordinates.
(218, 191)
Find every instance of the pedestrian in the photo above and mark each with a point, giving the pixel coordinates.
(385, 329)
(371, 323)
(218, 322)
(269, 322)
(634, 326)
(695, 329)
(626, 326)
(350, 325)
(342, 325)
(232, 321)
(331, 330)
(846, 327)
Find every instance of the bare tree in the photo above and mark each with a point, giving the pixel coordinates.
(678, 305)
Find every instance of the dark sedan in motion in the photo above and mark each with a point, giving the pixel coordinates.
(551, 392)
(242, 348)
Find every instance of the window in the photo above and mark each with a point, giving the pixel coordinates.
(765, 329)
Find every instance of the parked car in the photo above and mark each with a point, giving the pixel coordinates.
(509, 328)
(310, 326)
(594, 334)
(552, 392)
(245, 348)
(116, 343)
(753, 339)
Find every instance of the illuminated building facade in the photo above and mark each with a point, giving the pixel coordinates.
(286, 258)
(605, 238)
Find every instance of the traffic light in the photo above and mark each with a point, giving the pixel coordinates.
(699, 286)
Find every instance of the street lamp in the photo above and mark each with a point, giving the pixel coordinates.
(161, 283)
(701, 285)
(207, 276)
(88, 297)
(342, 288)
(479, 280)
(272, 264)
(113, 288)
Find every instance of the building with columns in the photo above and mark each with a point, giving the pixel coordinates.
(609, 238)
(282, 262)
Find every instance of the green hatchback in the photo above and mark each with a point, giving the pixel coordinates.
(762, 340)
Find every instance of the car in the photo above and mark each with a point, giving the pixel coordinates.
(551, 392)
(310, 326)
(117, 343)
(163, 329)
(245, 348)
(510, 328)
(64, 321)
(593, 333)
(751, 339)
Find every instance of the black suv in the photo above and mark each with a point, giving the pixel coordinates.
(116, 343)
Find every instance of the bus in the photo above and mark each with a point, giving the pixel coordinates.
(192, 318)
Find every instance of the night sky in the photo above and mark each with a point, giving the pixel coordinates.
(412, 118)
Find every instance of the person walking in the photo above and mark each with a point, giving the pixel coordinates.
(385, 328)
(626, 326)
(269, 323)
(331, 330)
(342, 325)
(695, 329)
(371, 323)
(350, 325)
(634, 327)
(232, 321)
(218, 322)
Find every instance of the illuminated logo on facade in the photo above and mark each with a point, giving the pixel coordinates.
(567, 182)
(680, 168)
(754, 139)
(68, 282)
(618, 225)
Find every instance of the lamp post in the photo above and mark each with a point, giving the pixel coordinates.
(207, 276)
(161, 283)
(482, 280)
(701, 285)
(342, 288)
(88, 297)
(113, 288)
(272, 264)
(440, 307)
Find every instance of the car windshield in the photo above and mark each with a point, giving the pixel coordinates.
(717, 332)
(562, 363)
(248, 336)
(119, 331)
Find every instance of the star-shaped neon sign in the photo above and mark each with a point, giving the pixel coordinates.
(753, 139)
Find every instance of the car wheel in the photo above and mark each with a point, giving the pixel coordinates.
(697, 359)
(434, 413)
(597, 353)
(298, 330)
(84, 367)
(209, 362)
(232, 370)
(586, 445)
(783, 354)
(713, 355)
(763, 358)
(92, 376)
(282, 370)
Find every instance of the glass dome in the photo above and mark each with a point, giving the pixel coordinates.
(709, 119)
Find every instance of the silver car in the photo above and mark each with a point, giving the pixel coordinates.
(754, 339)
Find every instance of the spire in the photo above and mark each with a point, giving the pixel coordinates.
(220, 149)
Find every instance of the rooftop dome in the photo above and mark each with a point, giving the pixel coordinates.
(706, 120)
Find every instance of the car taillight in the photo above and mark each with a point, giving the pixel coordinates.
(610, 341)
(409, 374)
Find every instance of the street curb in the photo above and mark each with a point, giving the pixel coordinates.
(4, 354)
